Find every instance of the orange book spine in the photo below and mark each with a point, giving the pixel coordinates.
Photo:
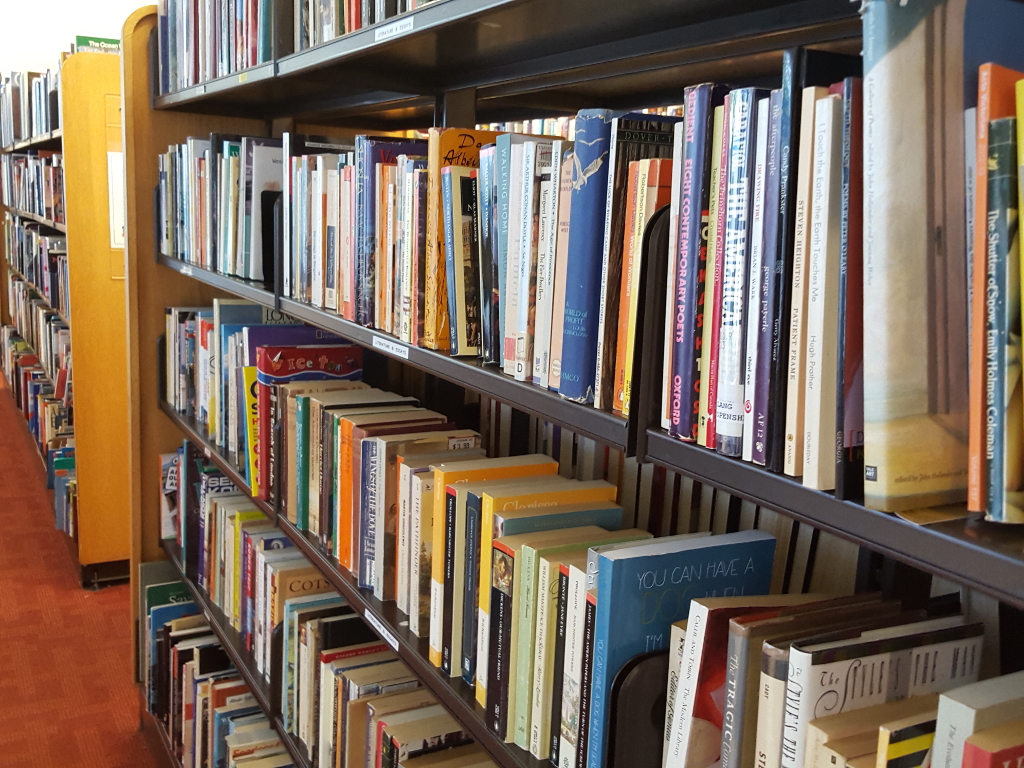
(345, 499)
(996, 99)
(633, 204)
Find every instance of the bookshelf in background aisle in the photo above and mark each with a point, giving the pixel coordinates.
(63, 237)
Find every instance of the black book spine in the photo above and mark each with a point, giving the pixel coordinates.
(850, 348)
(586, 675)
(559, 664)
(471, 587)
(449, 582)
(502, 576)
(770, 320)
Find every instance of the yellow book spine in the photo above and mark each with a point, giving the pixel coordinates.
(236, 578)
(252, 424)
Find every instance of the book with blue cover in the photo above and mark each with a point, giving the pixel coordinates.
(642, 591)
(584, 257)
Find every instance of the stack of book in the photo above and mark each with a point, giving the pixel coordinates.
(40, 258)
(29, 105)
(34, 183)
(195, 693)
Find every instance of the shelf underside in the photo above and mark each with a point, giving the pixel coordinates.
(528, 59)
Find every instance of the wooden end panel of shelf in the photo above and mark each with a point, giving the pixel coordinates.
(240, 657)
(149, 288)
(92, 113)
(988, 557)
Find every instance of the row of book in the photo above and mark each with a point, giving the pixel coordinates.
(318, 22)
(333, 674)
(795, 669)
(33, 182)
(44, 330)
(40, 258)
(29, 105)
(195, 693)
(994, 153)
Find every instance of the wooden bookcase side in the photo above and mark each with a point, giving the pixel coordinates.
(150, 288)
(92, 135)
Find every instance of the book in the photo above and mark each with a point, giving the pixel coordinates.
(916, 393)
(561, 271)
(850, 345)
(995, 747)
(627, 583)
(731, 352)
(584, 255)
(907, 741)
(553, 189)
(459, 200)
(633, 136)
(819, 673)
(444, 476)
(1003, 387)
(822, 293)
(971, 708)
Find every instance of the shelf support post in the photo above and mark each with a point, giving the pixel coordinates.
(456, 108)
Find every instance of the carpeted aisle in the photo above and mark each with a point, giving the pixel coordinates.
(66, 692)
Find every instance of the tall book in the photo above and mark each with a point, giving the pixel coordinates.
(634, 136)
(584, 260)
(462, 256)
(849, 456)
(996, 99)
(1004, 406)
(731, 351)
(915, 383)
(699, 183)
(822, 293)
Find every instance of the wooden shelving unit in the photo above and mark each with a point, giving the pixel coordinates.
(460, 62)
(89, 139)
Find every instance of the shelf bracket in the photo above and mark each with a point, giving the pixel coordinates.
(456, 108)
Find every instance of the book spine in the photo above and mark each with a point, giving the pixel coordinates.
(729, 401)
(527, 280)
(471, 586)
(769, 317)
(547, 236)
(799, 707)
(558, 673)
(588, 744)
(367, 513)
(415, 550)
(584, 263)
(715, 308)
(755, 279)
(561, 262)
(1003, 405)
(771, 709)
(676, 648)
(365, 231)
(513, 259)
(488, 262)
(404, 529)
(822, 289)
(735, 701)
(451, 254)
(301, 462)
(850, 345)
(678, 143)
(691, 261)
(450, 543)
(547, 606)
(384, 526)
(503, 577)
(682, 717)
(503, 174)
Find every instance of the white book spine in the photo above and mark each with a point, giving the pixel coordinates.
(515, 206)
(755, 278)
(605, 258)
(317, 227)
(408, 267)
(682, 717)
(325, 741)
(404, 531)
(771, 705)
(331, 226)
(676, 654)
(678, 140)
(575, 618)
(419, 485)
(527, 260)
(540, 703)
(793, 463)
(822, 297)
(302, 697)
(546, 268)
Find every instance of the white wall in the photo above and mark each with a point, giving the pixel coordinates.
(34, 32)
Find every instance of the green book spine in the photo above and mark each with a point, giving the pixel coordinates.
(523, 669)
(1004, 501)
(302, 462)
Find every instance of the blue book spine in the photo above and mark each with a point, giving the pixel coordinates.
(639, 598)
(489, 306)
(364, 233)
(503, 172)
(586, 241)
(449, 257)
(691, 257)
(368, 515)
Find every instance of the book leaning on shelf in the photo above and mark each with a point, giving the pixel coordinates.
(33, 183)
(29, 105)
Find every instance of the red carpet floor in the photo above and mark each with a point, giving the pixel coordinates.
(66, 692)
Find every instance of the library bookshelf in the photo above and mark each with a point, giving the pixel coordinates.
(462, 62)
(90, 141)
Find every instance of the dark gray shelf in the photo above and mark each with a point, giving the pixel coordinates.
(49, 140)
(527, 58)
(602, 426)
(239, 656)
(986, 556)
(390, 623)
